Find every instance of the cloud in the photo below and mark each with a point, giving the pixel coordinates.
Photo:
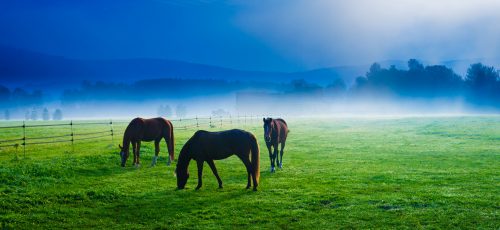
(326, 32)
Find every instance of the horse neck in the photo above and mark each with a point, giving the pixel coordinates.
(126, 143)
(184, 159)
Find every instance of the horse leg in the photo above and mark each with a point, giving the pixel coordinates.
(281, 154)
(169, 161)
(275, 154)
(157, 151)
(270, 156)
(248, 165)
(214, 170)
(200, 172)
(138, 152)
(134, 149)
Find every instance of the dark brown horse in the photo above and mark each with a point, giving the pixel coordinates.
(153, 129)
(206, 146)
(275, 132)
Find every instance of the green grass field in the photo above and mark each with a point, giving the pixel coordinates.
(414, 172)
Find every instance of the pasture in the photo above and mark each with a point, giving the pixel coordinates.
(400, 172)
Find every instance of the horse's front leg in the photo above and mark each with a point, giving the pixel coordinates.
(157, 151)
(200, 172)
(270, 156)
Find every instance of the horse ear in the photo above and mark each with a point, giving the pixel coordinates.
(264, 119)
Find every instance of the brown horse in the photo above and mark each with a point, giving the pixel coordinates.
(206, 146)
(275, 132)
(153, 129)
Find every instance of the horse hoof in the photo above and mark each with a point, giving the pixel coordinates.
(281, 166)
(255, 189)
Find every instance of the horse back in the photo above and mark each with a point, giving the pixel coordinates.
(148, 129)
(220, 145)
(281, 129)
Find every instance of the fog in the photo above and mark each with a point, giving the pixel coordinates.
(322, 32)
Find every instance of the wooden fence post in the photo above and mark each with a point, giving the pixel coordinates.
(24, 138)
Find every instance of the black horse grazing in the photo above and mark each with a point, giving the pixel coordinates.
(206, 146)
(153, 129)
(275, 132)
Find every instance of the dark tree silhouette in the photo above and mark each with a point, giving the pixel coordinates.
(181, 111)
(57, 115)
(164, 111)
(7, 115)
(483, 83)
(34, 114)
(45, 114)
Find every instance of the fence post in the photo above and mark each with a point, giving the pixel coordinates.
(220, 121)
(24, 138)
(230, 120)
(210, 122)
(197, 126)
(112, 132)
(72, 137)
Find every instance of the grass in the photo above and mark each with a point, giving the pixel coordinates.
(415, 172)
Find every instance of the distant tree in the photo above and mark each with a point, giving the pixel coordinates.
(164, 111)
(481, 77)
(45, 115)
(336, 89)
(57, 115)
(181, 111)
(27, 115)
(302, 86)
(34, 114)
(415, 65)
(7, 115)
(361, 82)
(375, 69)
(483, 83)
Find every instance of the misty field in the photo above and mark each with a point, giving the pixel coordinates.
(406, 172)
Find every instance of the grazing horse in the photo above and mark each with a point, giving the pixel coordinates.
(275, 132)
(153, 129)
(206, 146)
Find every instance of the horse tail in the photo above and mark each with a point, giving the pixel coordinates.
(255, 157)
(171, 143)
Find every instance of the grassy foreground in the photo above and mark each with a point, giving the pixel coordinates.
(441, 172)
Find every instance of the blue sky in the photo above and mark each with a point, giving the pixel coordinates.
(285, 35)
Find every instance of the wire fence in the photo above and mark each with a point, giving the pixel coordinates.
(41, 134)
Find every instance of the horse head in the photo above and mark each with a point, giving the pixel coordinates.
(268, 128)
(182, 177)
(124, 153)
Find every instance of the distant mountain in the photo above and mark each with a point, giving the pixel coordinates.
(19, 66)
(48, 72)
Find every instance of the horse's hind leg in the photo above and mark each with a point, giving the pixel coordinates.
(157, 151)
(248, 165)
(214, 170)
(281, 154)
(134, 150)
(138, 151)
(275, 155)
(200, 173)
